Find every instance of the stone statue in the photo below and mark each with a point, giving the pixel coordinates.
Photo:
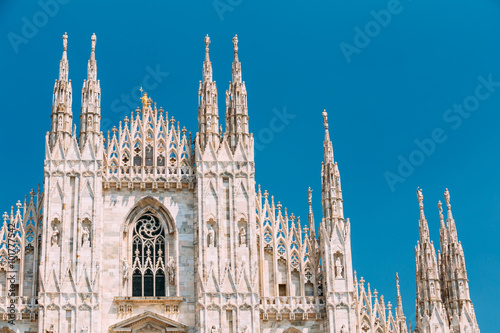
(433, 290)
(85, 236)
(243, 236)
(420, 196)
(51, 329)
(55, 236)
(171, 270)
(343, 329)
(209, 122)
(211, 237)
(213, 330)
(125, 269)
(338, 268)
(447, 197)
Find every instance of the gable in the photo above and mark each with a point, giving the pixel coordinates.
(148, 322)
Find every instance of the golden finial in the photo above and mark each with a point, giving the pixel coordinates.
(144, 98)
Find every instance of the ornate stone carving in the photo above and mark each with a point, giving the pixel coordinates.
(210, 237)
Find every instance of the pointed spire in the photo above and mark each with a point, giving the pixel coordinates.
(236, 62)
(90, 114)
(331, 194)
(327, 145)
(208, 111)
(236, 106)
(399, 304)
(423, 226)
(452, 229)
(421, 203)
(63, 65)
(441, 219)
(207, 65)
(448, 205)
(311, 215)
(92, 67)
(62, 115)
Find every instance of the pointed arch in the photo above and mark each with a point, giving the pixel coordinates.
(153, 205)
(151, 250)
(292, 330)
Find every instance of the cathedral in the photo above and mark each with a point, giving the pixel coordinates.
(150, 229)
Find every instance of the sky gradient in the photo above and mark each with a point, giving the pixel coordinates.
(412, 91)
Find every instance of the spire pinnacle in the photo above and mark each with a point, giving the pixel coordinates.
(448, 205)
(207, 43)
(423, 226)
(93, 42)
(92, 65)
(311, 215)
(65, 45)
(207, 65)
(309, 192)
(327, 146)
(63, 65)
(441, 219)
(237, 77)
(235, 46)
(421, 203)
(399, 300)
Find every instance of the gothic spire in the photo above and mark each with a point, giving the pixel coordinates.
(428, 301)
(62, 115)
(327, 145)
(236, 62)
(90, 115)
(423, 226)
(399, 304)
(236, 105)
(443, 232)
(452, 229)
(208, 110)
(311, 215)
(207, 65)
(330, 178)
(63, 64)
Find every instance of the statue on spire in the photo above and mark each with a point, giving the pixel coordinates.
(397, 283)
(65, 41)
(325, 119)
(93, 39)
(447, 198)
(235, 46)
(146, 101)
(420, 198)
(207, 43)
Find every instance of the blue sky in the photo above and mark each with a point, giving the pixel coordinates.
(388, 92)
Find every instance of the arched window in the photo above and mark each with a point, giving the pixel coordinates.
(148, 255)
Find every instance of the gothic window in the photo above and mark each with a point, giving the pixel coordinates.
(148, 253)
(172, 158)
(149, 155)
(160, 161)
(138, 155)
(126, 158)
